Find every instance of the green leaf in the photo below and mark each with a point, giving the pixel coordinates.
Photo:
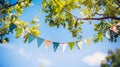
(100, 37)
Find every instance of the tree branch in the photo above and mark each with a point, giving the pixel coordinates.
(101, 18)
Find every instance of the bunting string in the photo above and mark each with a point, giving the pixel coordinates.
(63, 46)
(71, 45)
(40, 41)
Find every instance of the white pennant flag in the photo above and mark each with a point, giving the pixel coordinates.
(87, 41)
(63, 46)
(80, 44)
(107, 34)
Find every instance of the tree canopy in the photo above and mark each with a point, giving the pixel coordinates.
(112, 60)
(59, 13)
(10, 13)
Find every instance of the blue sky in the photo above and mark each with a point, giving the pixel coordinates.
(18, 54)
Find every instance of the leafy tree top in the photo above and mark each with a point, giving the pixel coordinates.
(59, 13)
(112, 60)
(9, 13)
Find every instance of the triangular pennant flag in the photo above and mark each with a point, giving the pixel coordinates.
(118, 24)
(31, 38)
(63, 46)
(107, 34)
(12, 27)
(39, 41)
(47, 43)
(87, 41)
(79, 44)
(71, 45)
(114, 29)
(55, 46)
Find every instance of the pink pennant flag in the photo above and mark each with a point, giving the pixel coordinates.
(114, 29)
(118, 24)
(47, 43)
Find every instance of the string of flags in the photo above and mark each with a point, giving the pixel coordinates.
(63, 46)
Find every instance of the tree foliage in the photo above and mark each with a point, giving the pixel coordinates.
(9, 13)
(112, 60)
(59, 13)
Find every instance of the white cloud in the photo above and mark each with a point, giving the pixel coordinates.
(23, 53)
(95, 59)
(44, 61)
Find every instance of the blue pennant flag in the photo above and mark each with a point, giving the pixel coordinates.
(12, 27)
(31, 38)
(39, 41)
(55, 46)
